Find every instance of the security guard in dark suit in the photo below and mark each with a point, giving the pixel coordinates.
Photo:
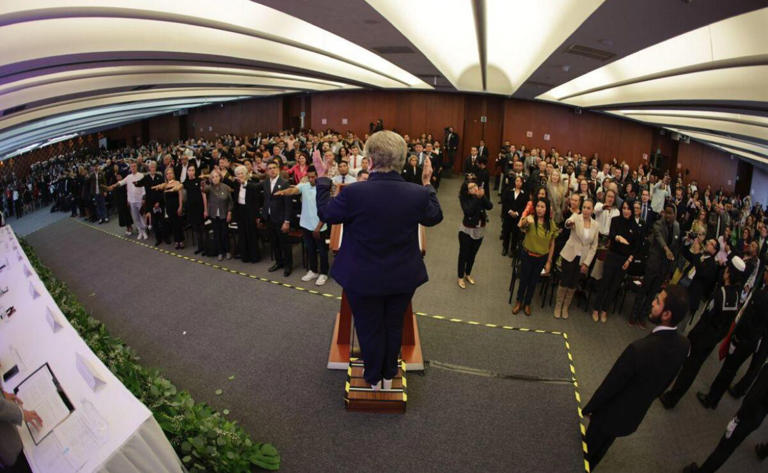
(713, 327)
(749, 417)
(706, 271)
(751, 327)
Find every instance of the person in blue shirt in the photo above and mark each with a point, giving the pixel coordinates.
(379, 263)
(315, 231)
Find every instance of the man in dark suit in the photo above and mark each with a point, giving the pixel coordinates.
(705, 268)
(277, 215)
(379, 264)
(247, 204)
(451, 144)
(470, 163)
(647, 214)
(642, 372)
(482, 150)
(664, 246)
(749, 417)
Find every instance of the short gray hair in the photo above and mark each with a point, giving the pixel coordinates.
(386, 151)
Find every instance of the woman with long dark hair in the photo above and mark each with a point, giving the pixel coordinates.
(474, 204)
(536, 254)
(624, 239)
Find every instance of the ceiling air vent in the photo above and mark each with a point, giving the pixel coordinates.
(11, 110)
(393, 50)
(543, 85)
(592, 53)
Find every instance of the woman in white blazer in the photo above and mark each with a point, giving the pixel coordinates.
(577, 255)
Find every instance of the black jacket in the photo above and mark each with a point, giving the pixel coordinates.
(151, 196)
(276, 209)
(412, 174)
(509, 202)
(643, 371)
(753, 324)
(254, 199)
(475, 210)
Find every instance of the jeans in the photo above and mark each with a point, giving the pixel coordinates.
(468, 248)
(530, 270)
(316, 249)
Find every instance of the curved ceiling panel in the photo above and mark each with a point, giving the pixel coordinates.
(65, 107)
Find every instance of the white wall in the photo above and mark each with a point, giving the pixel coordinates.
(759, 190)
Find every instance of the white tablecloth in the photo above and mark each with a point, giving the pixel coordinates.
(120, 433)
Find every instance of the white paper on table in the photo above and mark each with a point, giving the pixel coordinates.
(51, 455)
(89, 373)
(39, 393)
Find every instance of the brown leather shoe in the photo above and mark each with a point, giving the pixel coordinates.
(527, 310)
(516, 308)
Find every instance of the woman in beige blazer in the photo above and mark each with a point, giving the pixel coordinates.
(577, 255)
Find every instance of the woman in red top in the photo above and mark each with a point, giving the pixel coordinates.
(299, 170)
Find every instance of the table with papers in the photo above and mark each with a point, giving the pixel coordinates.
(91, 422)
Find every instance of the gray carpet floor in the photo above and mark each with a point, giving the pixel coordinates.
(259, 324)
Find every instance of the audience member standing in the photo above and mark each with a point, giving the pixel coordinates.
(577, 255)
(474, 204)
(537, 252)
(513, 202)
(247, 204)
(135, 197)
(624, 242)
(219, 210)
(196, 205)
(315, 232)
(276, 213)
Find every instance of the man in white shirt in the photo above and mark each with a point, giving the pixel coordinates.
(344, 176)
(355, 159)
(659, 193)
(135, 198)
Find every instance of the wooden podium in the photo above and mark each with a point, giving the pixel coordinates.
(341, 342)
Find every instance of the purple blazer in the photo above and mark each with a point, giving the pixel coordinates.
(379, 252)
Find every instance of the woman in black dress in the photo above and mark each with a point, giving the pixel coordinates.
(173, 197)
(195, 207)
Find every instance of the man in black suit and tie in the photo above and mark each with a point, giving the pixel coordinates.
(647, 215)
(482, 150)
(665, 243)
(642, 372)
(451, 144)
(277, 215)
(749, 417)
(470, 163)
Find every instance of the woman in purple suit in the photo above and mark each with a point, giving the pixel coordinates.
(379, 264)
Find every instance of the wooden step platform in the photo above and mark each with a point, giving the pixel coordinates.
(358, 395)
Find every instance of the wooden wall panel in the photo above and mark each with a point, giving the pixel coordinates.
(244, 117)
(164, 129)
(707, 165)
(130, 133)
(587, 133)
(407, 112)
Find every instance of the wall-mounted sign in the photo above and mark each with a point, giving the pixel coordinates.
(344, 121)
(529, 134)
(483, 119)
(546, 136)
(324, 121)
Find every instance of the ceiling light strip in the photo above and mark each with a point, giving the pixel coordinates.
(156, 15)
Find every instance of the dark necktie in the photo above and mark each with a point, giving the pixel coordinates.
(343, 178)
(645, 212)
